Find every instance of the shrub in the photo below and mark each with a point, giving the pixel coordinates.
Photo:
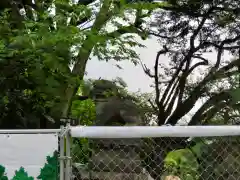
(21, 174)
(50, 169)
(2, 173)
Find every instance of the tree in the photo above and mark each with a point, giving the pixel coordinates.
(97, 38)
(188, 52)
(21, 174)
(188, 31)
(2, 173)
(50, 169)
(31, 76)
(54, 40)
(28, 35)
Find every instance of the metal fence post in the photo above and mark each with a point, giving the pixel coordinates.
(68, 175)
(61, 149)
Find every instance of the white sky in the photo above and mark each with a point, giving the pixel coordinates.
(131, 74)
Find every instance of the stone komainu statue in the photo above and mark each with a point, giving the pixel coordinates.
(115, 158)
(111, 107)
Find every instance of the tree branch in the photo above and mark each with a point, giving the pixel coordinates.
(173, 79)
(135, 27)
(169, 106)
(187, 59)
(146, 70)
(123, 30)
(174, 88)
(157, 90)
(182, 82)
(152, 105)
(212, 101)
(200, 26)
(197, 92)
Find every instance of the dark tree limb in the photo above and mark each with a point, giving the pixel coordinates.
(173, 89)
(212, 101)
(157, 90)
(200, 26)
(196, 93)
(146, 70)
(173, 79)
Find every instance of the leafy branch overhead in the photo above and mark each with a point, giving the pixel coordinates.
(49, 37)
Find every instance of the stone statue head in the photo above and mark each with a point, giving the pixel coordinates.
(103, 89)
(111, 109)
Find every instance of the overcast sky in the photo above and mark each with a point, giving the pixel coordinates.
(131, 74)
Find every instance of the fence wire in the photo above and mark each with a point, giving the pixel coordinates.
(215, 158)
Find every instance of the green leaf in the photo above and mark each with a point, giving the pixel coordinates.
(182, 160)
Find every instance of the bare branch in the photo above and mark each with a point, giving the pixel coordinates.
(200, 26)
(146, 70)
(162, 36)
(203, 63)
(169, 95)
(199, 90)
(156, 81)
(170, 84)
(153, 106)
(219, 57)
(201, 58)
(182, 82)
(173, 100)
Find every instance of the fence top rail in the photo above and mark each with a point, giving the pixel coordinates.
(153, 131)
(29, 131)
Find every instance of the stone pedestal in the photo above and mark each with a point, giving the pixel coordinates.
(115, 159)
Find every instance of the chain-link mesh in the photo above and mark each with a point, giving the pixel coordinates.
(215, 158)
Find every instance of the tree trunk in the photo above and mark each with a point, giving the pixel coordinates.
(78, 71)
(84, 53)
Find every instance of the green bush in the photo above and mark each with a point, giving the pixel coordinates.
(21, 174)
(50, 169)
(2, 173)
(182, 163)
(48, 172)
(82, 150)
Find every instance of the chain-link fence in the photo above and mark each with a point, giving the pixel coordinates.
(59, 156)
(166, 158)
